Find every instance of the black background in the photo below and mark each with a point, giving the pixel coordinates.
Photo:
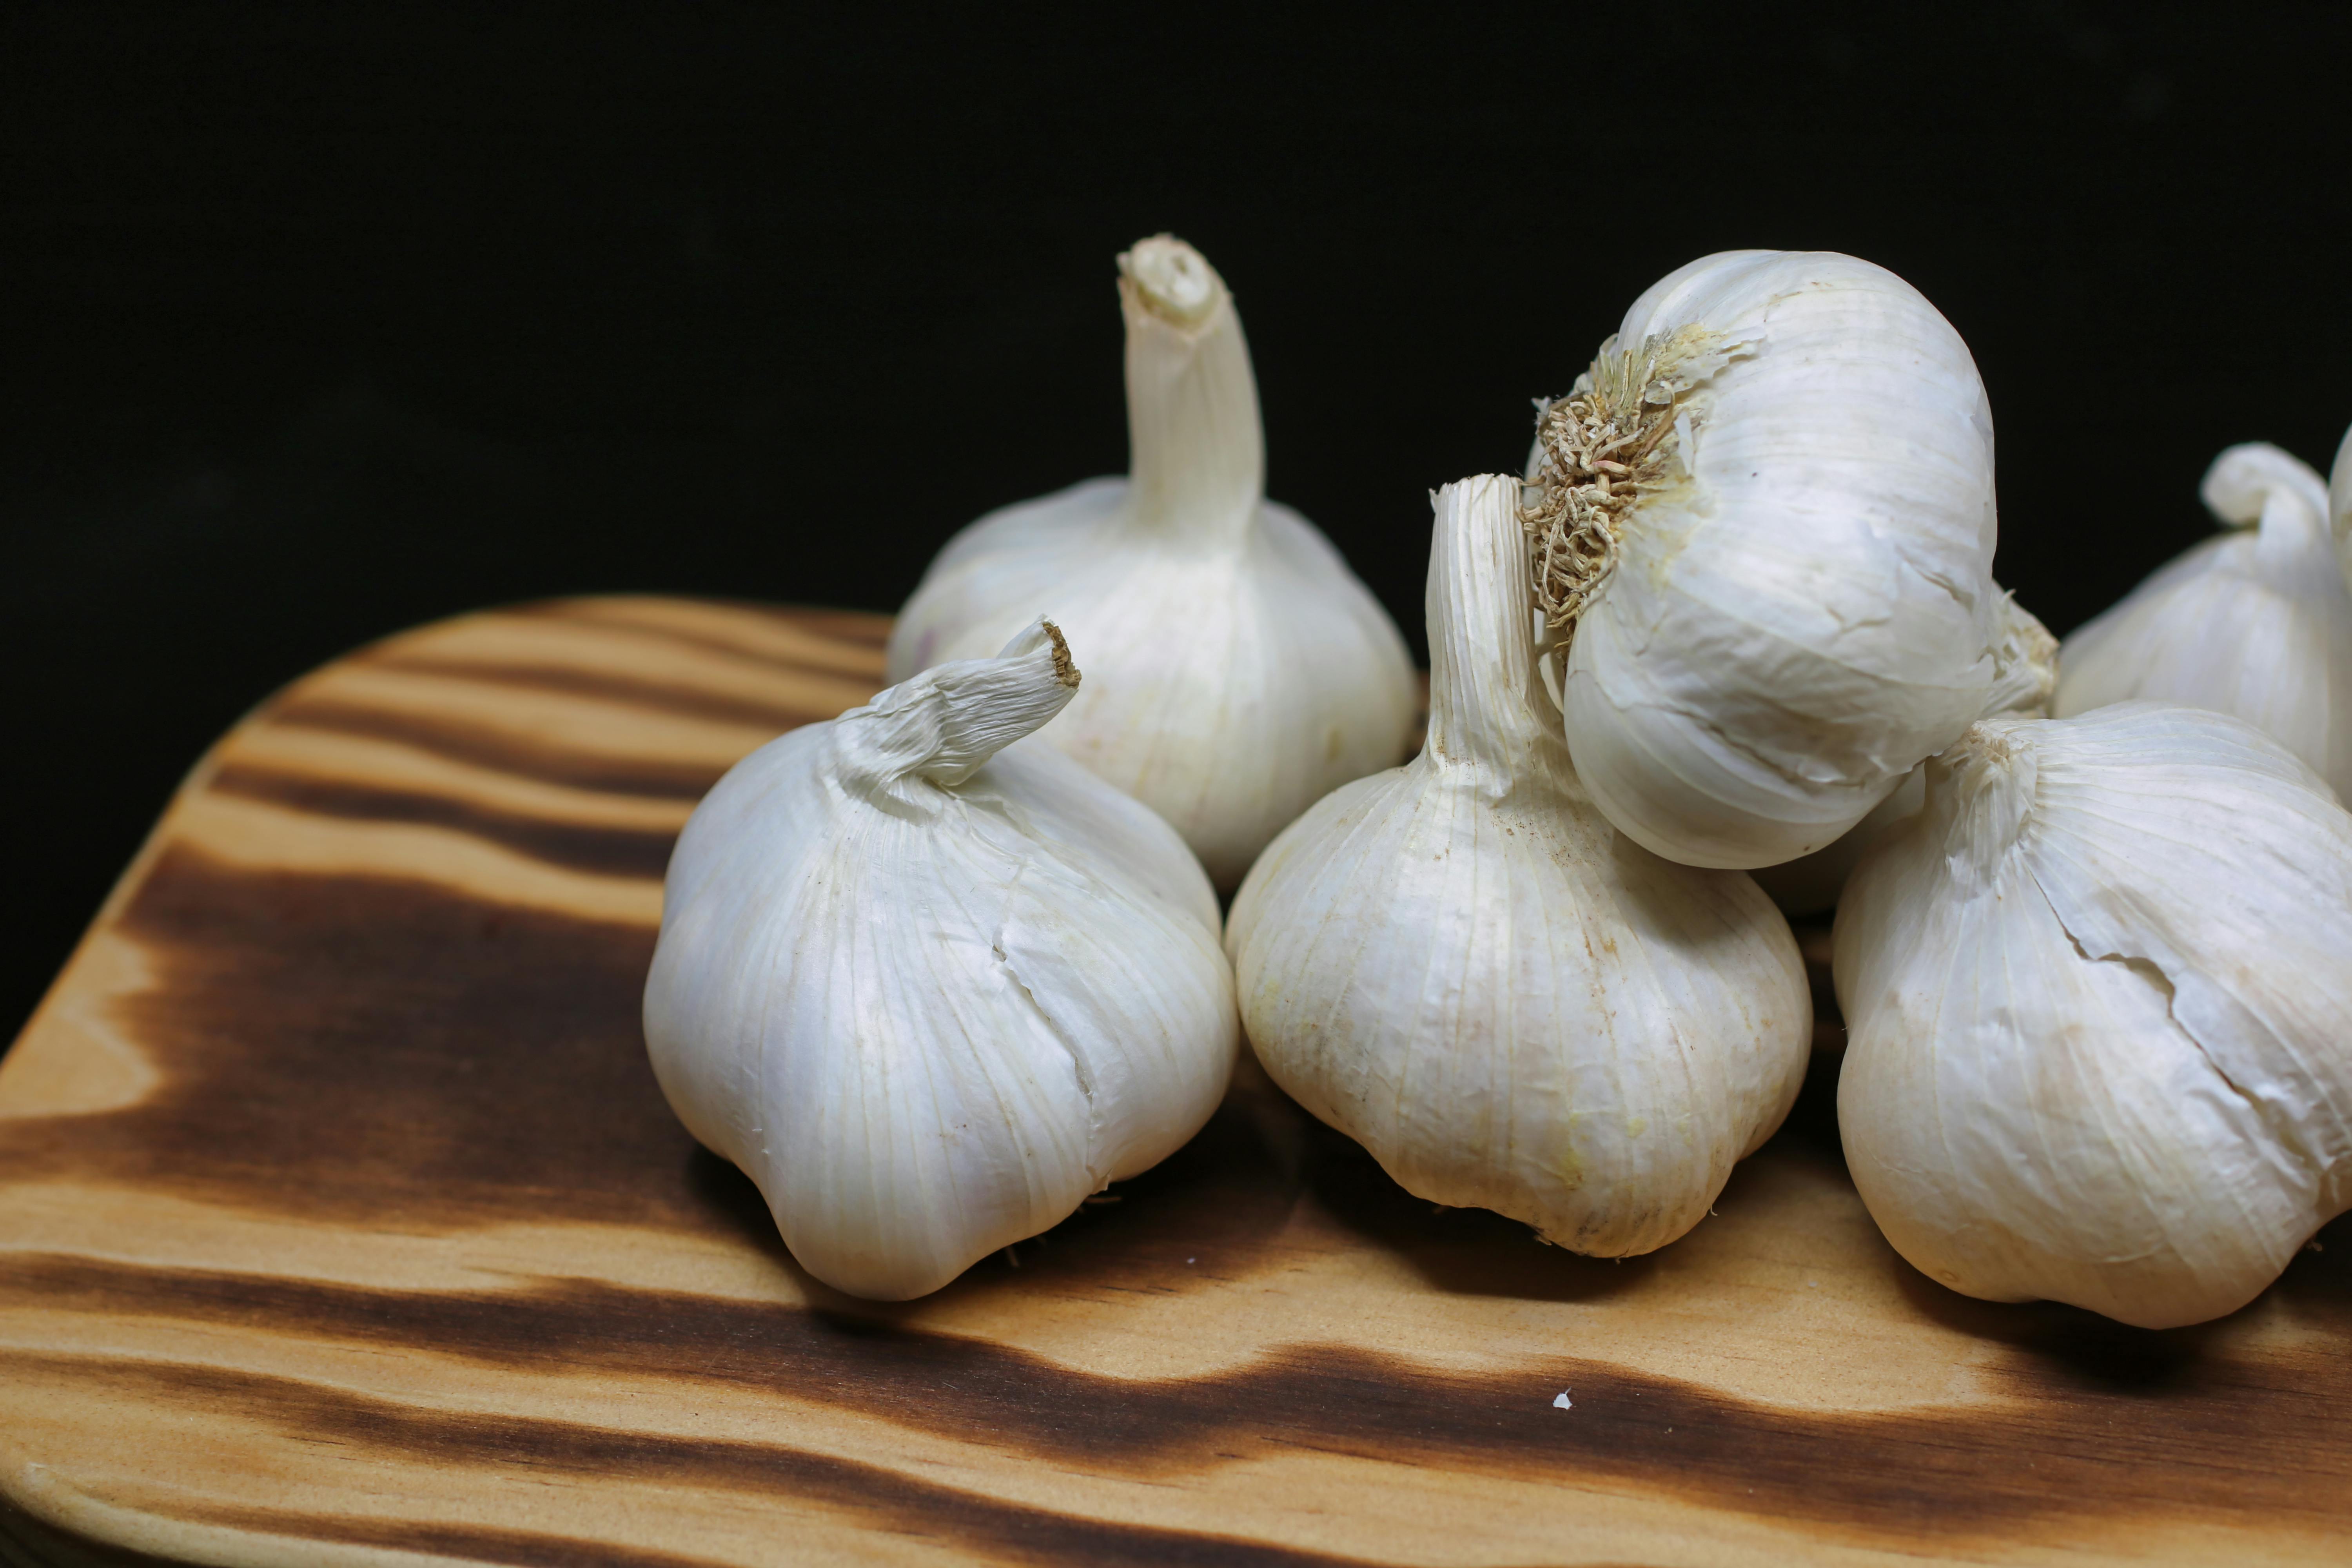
(320, 321)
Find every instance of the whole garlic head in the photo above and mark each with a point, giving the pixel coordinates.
(2025, 678)
(2255, 622)
(1765, 526)
(930, 992)
(1460, 964)
(1239, 670)
(2098, 1001)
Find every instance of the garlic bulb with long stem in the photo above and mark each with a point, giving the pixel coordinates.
(1764, 528)
(929, 992)
(1460, 964)
(2256, 621)
(2098, 1001)
(1239, 670)
(2025, 676)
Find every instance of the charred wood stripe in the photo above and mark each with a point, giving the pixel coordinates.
(883, 1497)
(777, 643)
(487, 747)
(862, 635)
(836, 695)
(607, 851)
(472, 1543)
(1940, 1469)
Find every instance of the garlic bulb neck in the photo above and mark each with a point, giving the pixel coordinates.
(1197, 460)
(1481, 685)
(2257, 485)
(1979, 793)
(940, 726)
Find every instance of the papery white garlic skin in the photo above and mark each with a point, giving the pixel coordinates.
(2099, 1002)
(1460, 964)
(1238, 670)
(2025, 678)
(930, 992)
(2339, 504)
(2256, 621)
(1802, 609)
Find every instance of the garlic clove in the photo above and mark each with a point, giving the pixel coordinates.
(1240, 670)
(2097, 994)
(1460, 964)
(2256, 621)
(2025, 678)
(1765, 527)
(929, 988)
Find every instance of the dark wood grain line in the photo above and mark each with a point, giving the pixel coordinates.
(608, 852)
(478, 1543)
(498, 750)
(648, 696)
(884, 1498)
(29, 1542)
(2111, 1450)
(863, 637)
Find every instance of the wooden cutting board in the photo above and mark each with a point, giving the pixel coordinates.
(341, 1221)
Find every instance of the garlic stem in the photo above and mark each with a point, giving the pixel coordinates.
(945, 722)
(2257, 485)
(1479, 680)
(1197, 458)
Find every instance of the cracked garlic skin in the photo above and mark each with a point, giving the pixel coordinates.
(1240, 671)
(1461, 966)
(2099, 1002)
(930, 992)
(1765, 527)
(2025, 676)
(2256, 621)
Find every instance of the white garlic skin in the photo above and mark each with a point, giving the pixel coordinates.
(928, 993)
(1461, 966)
(1237, 670)
(2255, 622)
(2098, 1003)
(1810, 614)
(2025, 678)
(2339, 505)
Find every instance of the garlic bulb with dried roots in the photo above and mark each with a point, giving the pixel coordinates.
(2025, 675)
(1239, 671)
(2098, 1003)
(1460, 964)
(2255, 622)
(1763, 522)
(927, 992)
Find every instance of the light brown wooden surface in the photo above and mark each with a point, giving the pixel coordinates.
(341, 1221)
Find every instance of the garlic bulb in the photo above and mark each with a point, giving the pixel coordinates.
(1765, 528)
(1239, 670)
(2025, 675)
(2255, 622)
(2098, 998)
(1459, 963)
(930, 992)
